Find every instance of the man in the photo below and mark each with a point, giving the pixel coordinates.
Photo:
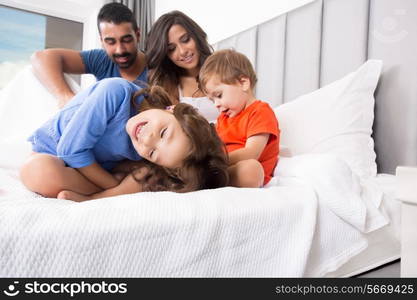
(119, 35)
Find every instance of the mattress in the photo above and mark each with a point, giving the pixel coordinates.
(293, 228)
(383, 244)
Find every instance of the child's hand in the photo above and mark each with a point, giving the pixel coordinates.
(119, 176)
(140, 173)
(252, 150)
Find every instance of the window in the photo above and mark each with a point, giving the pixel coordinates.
(23, 33)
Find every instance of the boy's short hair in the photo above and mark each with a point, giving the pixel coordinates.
(116, 13)
(229, 66)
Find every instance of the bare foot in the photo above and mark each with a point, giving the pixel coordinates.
(70, 195)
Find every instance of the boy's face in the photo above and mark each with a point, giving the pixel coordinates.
(229, 99)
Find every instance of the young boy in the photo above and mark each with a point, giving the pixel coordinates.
(246, 125)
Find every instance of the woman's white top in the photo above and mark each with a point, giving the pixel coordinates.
(203, 104)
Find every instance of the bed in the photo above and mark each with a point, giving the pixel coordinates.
(340, 36)
(331, 207)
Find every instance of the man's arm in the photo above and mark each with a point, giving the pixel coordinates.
(49, 67)
(252, 150)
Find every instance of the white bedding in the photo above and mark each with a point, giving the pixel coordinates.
(277, 231)
(383, 244)
(311, 219)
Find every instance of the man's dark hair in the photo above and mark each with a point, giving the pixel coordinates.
(116, 13)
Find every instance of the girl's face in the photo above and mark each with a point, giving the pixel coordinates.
(182, 49)
(229, 99)
(158, 137)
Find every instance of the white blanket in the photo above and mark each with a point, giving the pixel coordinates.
(308, 221)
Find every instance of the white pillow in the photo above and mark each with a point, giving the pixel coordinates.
(25, 104)
(335, 119)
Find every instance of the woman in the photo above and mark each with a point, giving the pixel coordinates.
(176, 48)
(77, 149)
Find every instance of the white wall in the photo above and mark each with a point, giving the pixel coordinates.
(223, 18)
(219, 18)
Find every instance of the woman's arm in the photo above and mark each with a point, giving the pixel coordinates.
(252, 150)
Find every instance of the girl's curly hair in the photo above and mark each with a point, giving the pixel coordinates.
(206, 165)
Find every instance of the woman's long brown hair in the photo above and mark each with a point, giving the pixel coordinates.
(162, 71)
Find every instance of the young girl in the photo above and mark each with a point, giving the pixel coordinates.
(176, 47)
(76, 150)
(246, 125)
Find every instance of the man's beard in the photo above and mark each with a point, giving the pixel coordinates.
(131, 57)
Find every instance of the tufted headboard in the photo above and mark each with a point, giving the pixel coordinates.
(320, 42)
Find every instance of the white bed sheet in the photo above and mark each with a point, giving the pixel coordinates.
(281, 231)
(313, 218)
(384, 244)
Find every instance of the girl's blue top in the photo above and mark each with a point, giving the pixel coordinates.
(91, 126)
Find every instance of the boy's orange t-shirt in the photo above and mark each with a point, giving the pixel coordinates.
(255, 119)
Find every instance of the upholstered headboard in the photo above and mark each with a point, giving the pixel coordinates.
(318, 43)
